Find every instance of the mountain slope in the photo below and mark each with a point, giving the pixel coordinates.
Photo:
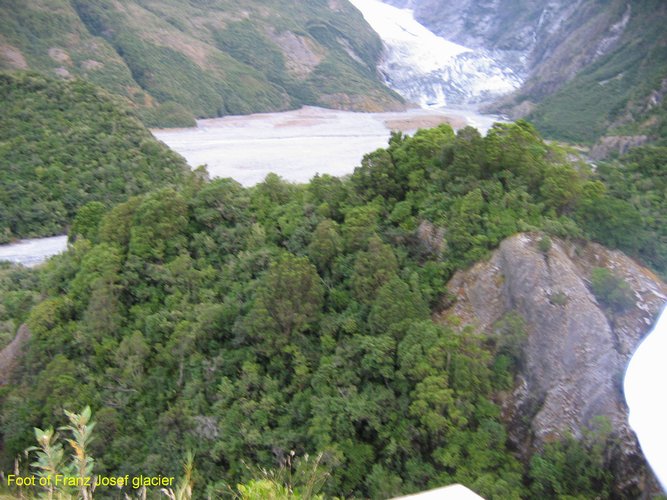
(591, 68)
(64, 144)
(176, 60)
(621, 92)
(245, 323)
(429, 70)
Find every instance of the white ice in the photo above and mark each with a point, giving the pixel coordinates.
(413, 42)
(647, 399)
(428, 69)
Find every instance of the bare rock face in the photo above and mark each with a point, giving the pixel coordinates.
(10, 354)
(619, 144)
(576, 350)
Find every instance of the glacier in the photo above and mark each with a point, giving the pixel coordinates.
(429, 70)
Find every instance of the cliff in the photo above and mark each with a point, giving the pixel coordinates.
(577, 348)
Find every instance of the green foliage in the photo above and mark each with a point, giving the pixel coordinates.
(160, 219)
(325, 245)
(291, 294)
(244, 324)
(372, 269)
(611, 95)
(611, 289)
(50, 460)
(639, 180)
(509, 337)
(572, 468)
(558, 298)
(81, 428)
(174, 61)
(263, 488)
(609, 220)
(299, 478)
(71, 145)
(544, 245)
(167, 115)
(19, 292)
(87, 220)
(184, 489)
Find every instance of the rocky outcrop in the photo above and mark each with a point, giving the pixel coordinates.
(619, 144)
(576, 350)
(10, 354)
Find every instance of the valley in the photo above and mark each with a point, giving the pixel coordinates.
(296, 145)
(430, 70)
(377, 286)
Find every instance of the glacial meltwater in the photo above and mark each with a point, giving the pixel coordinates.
(647, 399)
(299, 144)
(33, 251)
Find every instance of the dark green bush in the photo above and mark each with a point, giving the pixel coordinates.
(611, 289)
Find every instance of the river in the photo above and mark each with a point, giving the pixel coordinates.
(32, 252)
(294, 144)
(298, 144)
(301, 143)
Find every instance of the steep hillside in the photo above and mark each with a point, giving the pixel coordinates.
(576, 343)
(175, 60)
(549, 41)
(591, 68)
(242, 324)
(620, 93)
(66, 143)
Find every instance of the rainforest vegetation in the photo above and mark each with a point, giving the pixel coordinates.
(64, 144)
(282, 340)
(620, 93)
(252, 325)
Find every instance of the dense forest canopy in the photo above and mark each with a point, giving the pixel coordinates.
(247, 324)
(64, 144)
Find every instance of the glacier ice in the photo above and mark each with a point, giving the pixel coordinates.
(429, 70)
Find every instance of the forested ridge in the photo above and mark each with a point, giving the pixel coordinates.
(175, 61)
(64, 144)
(250, 324)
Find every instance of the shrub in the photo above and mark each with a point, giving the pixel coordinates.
(611, 289)
(544, 245)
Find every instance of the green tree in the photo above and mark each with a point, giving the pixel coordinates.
(291, 292)
(372, 269)
(325, 245)
(87, 221)
(158, 225)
